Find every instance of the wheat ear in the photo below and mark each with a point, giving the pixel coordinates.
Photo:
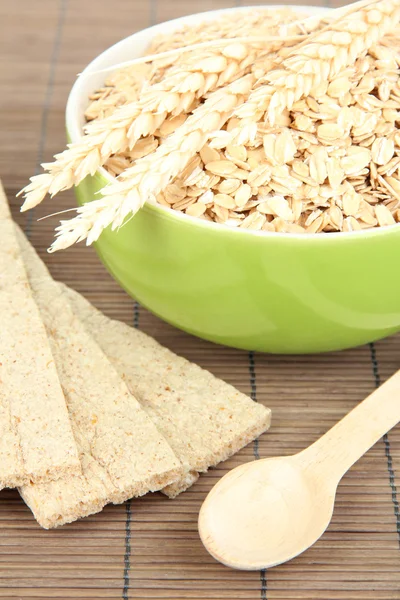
(224, 62)
(310, 66)
(195, 77)
(152, 173)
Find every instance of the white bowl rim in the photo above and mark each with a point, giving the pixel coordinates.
(78, 97)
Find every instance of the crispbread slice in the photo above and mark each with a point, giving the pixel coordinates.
(36, 440)
(204, 419)
(122, 453)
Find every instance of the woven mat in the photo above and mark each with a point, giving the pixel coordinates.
(149, 548)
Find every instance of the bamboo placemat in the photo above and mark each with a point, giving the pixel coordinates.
(149, 548)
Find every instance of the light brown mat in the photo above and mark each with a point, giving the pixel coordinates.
(149, 548)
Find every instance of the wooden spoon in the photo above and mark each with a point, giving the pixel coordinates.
(266, 512)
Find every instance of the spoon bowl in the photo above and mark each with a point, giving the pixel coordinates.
(265, 511)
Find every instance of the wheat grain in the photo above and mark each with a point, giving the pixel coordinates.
(121, 87)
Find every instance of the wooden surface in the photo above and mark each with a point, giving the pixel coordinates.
(149, 548)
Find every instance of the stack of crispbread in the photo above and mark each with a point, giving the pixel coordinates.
(93, 411)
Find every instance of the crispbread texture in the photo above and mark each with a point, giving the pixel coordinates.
(204, 419)
(122, 453)
(36, 440)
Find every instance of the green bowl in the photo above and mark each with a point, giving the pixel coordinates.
(278, 293)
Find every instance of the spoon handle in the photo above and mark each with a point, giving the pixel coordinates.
(338, 449)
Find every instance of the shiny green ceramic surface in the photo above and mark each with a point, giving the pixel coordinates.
(269, 292)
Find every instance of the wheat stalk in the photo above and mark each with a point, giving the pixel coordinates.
(121, 130)
(194, 78)
(151, 174)
(226, 60)
(310, 66)
(197, 76)
(302, 28)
